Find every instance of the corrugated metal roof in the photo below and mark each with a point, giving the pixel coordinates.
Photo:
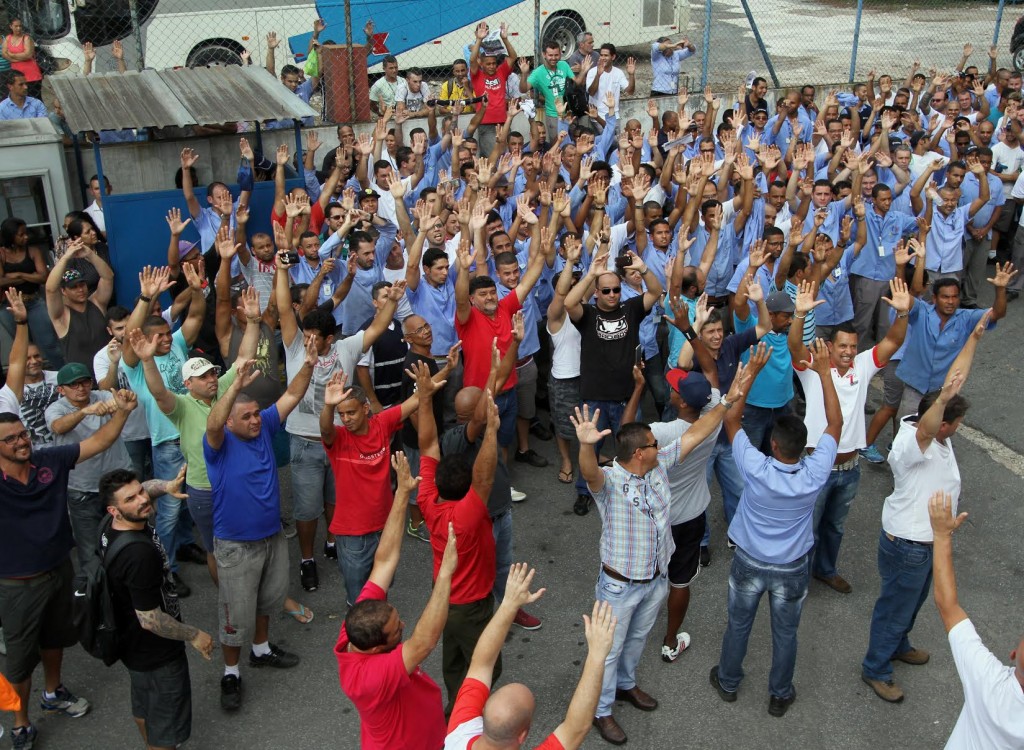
(27, 132)
(182, 97)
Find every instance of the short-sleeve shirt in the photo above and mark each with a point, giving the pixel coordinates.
(454, 441)
(852, 390)
(35, 533)
(396, 709)
(135, 427)
(478, 333)
(494, 88)
(384, 92)
(35, 399)
(467, 722)
(474, 576)
(160, 427)
(993, 714)
(608, 349)
(362, 479)
(614, 81)
(189, 416)
(85, 477)
(409, 435)
(551, 84)
(343, 355)
(243, 475)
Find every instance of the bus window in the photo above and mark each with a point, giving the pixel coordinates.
(44, 20)
(659, 12)
(103, 22)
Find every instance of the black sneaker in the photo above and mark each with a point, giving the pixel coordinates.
(276, 658)
(23, 738)
(778, 706)
(705, 557)
(181, 587)
(308, 576)
(532, 457)
(539, 431)
(330, 551)
(230, 692)
(582, 505)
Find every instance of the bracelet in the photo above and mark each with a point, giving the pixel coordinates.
(646, 269)
(689, 334)
(252, 319)
(144, 298)
(21, 322)
(798, 316)
(903, 314)
(725, 404)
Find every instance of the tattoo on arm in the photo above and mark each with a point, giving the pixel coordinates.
(160, 623)
(155, 487)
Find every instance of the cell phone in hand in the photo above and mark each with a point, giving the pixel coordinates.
(638, 357)
(291, 258)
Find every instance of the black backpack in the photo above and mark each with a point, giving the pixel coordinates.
(93, 605)
(576, 102)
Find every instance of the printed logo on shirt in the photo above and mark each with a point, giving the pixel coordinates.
(33, 411)
(612, 330)
(45, 475)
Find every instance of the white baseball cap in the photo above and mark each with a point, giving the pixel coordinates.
(197, 366)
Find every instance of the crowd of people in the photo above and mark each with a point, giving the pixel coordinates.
(716, 289)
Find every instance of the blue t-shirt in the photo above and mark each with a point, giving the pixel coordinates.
(243, 474)
(161, 429)
(773, 388)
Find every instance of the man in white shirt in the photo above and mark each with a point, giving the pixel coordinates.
(607, 78)
(923, 464)
(95, 209)
(993, 714)
(851, 374)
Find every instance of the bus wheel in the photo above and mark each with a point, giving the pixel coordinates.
(213, 54)
(562, 30)
(1018, 60)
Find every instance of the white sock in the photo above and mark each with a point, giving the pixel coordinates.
(232, 670)
(305, 559)
(330, 545)
(261, 649)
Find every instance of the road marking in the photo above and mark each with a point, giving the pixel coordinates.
(996, 450)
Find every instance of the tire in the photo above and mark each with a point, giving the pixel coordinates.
(563, 30)
(1018, 60)
(213, 55)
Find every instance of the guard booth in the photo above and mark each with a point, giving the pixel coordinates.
(137, 233)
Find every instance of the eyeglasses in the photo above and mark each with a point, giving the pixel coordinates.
(652, 445)
(611, 290)
(421, 330)
(12, 439)
(78, 384)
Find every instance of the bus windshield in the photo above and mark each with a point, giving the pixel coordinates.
(44, 20)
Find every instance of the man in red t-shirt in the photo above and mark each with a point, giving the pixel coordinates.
(490, 79)
(359, 451)
(292, 206)
(480, 318)
(480, 718)
(398, 704)
(453, 493)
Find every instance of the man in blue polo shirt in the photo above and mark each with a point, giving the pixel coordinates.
(773, 532)
(19, 105)
(251, 551)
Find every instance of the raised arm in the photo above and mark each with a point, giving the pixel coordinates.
(465, 261)
(300, 382)
(431, 623)
(283, 294)
(805, 302)
(487, 457)
(759, 356)
(222, 408)
(901, 301)
(105, 436)
(589, 436)
(145, 350)
(188, 160)
(426, 425)
(944, 523)
(599, 630)
(822, 365)
(197, 306)
(19, 349)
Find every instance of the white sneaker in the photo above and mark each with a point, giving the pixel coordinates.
(669, 654)
(517, 496)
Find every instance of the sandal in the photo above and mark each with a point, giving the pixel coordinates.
(303, 615)
(565, 477)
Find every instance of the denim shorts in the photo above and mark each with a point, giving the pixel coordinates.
(312, 479)
(563, 397)
(253, 580)
(200, 506)
(162, 698)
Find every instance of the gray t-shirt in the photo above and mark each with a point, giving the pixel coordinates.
(85, 477)
(136, 427)
(576, 58)
(687, 480)
(343, 355)
(454, 441)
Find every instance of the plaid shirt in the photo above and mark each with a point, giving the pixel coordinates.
(636, 538)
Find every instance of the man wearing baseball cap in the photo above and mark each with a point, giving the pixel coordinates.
(77, 316)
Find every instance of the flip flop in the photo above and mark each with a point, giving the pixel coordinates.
(303, 615)
(565, 477)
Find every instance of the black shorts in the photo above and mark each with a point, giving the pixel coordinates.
(162, 698)
(684, 565)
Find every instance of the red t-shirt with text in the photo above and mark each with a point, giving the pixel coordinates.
(494, 87)
(476, 335)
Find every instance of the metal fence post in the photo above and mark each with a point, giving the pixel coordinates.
(351, 62)
(760, 43)
(705, 45)
(999, 22)
(133, 9)
(536, 32)
(856, 40)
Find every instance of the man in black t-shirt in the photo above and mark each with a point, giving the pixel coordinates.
(147, 611)
(610, 341)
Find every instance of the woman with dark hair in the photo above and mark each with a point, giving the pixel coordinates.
(83, 226)
(20, 51)
(23, 268)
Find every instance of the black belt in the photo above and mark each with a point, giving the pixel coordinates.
(892, 538)
(611, 573)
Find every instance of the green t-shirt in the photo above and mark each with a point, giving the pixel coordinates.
(189, 416)
(551, 85)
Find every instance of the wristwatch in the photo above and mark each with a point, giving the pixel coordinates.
(725, 404)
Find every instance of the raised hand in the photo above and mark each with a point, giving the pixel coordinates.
(272, 40)
(901, 300)
(192, 276)
(586, 427)
(175, 223)
(450, 559)
(820, 361)
(406, 480)
(225, 243)
(126, 400)
(18, 311)
(1004, 273)
(805, 297)
(599, 629)
(154, 281)
(281, 156)
(188, 158)
(517, 588)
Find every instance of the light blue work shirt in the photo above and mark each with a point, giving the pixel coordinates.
(436, 305)
(944, 246)
(876, 260)
(666, 68)
(835, 291)
(970, 191)
(933, 347)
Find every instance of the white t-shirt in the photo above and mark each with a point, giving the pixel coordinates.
(413, 101)
(135, 427)
(687, 480)
(918, 476)
(615, 81)
(852, 390)
(8, 401)
(993, 714)
(565, 350)
(1011, 158)
(1018, 193)
(343, 355)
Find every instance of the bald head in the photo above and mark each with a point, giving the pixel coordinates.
(412, 323)
(508, 714)
(465, 403)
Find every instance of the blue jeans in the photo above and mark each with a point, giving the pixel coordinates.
(173, 524)
(906, 572)
(636, 606)
(654, 373)
(141, 454)
(508, 408)
(502, 528)
(830, 512)
(786, 586)
(355, 561)
(758, 422)
(611, 416)
(39, 328)
(723, 466)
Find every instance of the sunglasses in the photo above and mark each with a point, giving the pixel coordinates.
(611, 290)
(652, 445)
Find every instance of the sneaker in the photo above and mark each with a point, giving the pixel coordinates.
(277, 658)
(308, 576)
(230, 692)
(289, 528)
(836, 583)
(730, 543)
(181, 587)
(418, 532)
(669, 654)
(532, 457)
(582, 505)
(992, 254)
(778, 706)
(540, 432)
(726, 695)
(887, 690)
(23, 738)
(526, 621)
(64, 702)
(517, 496)
(705, 557)
(872, 455)
(915, 656)
(330, 551)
